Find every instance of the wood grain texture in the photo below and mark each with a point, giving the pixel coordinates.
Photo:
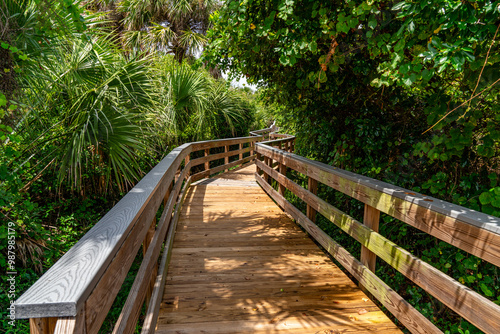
(239, 263)
(466, 302)
(469, 230)
(63, 289)
(407, 314)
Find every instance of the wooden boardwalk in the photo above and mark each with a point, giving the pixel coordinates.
(240, 265)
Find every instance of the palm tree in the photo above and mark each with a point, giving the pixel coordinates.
(177, 27)
(90, 100)
(191, 105)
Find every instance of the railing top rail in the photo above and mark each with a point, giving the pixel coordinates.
(62, 290)
(282, 140)
(200, 145)
(323, 172)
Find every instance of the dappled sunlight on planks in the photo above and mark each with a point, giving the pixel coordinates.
(240, 265)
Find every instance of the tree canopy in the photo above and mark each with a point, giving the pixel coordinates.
(402, 91)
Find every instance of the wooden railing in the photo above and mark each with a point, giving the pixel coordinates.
(265, 133)
(75, 295)
(469, 230)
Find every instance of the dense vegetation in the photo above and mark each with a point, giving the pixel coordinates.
(85, 114)
(93, 94)
(406, 92)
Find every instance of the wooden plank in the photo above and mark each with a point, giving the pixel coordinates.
(293, 325)
(153, 309)
(469, 230)
(475, 308)
(63, 289)
(402, 310)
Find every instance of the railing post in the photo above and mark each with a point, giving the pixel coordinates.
(226, 158)
(282, 170)
(259, 171)
(167, 194)
(186, 161)
(62, 325)
(42, 325)
(145, 245)
(264, 174)
(241, 154)
(371, 219)
(207, 163)
(312, 186)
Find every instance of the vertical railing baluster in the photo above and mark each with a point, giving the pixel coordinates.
(207, 163)
(312, 186)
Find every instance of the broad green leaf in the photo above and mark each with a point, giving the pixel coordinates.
(485, 198)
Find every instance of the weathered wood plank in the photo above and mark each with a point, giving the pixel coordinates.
(469, 230)
(404, 312)
(63, 289)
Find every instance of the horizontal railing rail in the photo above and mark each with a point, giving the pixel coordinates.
(77, 292)
(469, 230)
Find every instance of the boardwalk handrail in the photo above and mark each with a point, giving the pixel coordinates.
(76, 293)
(469, 230)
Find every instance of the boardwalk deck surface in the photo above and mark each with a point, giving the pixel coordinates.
(240, 265)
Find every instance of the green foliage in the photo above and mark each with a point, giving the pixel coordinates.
(360, 82)
(82, 120)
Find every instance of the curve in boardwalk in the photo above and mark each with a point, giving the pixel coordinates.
(240, 265)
